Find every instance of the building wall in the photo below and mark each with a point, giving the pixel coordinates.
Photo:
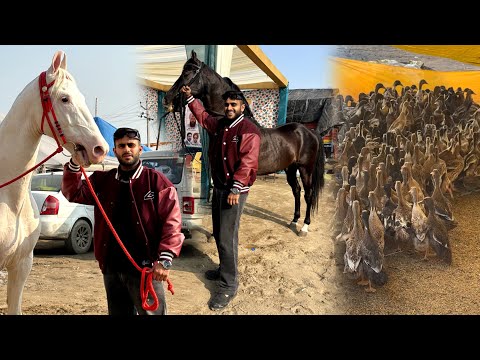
(264, 104)
(149, 100)
(173, 140)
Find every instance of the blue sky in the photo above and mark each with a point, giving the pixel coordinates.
(304, 66)
(107, 73)
(103, 72)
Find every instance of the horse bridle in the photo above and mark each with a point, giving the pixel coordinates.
(192, 80)
(47, 106)
(199, 68)
(182, 99)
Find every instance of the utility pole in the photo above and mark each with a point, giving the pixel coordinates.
(145, 115)
(96, 106)
(148, 125)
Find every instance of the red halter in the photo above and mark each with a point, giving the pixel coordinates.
(48, 107)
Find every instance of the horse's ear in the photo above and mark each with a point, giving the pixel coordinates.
(194, 55)
(59, 61)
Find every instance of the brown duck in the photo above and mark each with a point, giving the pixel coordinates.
(443, 207)
(402, 216)
(371, 252)
(419, 225)
(437, 234)
(352, 255)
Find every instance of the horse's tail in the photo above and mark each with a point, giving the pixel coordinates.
(318, 180)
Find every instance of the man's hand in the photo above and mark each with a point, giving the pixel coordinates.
(159, 272)
(78, 159)
(186, 89)
(233, 199)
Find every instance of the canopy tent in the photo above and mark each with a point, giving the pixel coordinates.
(354, 76)
(159, 66)
(246, 65)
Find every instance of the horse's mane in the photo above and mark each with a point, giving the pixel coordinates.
(231, 83)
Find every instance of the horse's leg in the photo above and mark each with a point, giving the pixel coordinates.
(17, 276)
(307, 187)
(291, 172)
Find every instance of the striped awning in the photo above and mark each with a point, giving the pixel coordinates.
(159, 66)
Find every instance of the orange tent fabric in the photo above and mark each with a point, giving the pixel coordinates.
(352, 77)
(469, 54)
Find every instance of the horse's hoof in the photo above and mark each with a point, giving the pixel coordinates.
(293, 226)
(302, 233)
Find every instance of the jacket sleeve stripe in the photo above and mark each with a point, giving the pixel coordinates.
(166, 255)
(73, 167)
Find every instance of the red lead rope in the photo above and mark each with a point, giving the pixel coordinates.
(59, 150)
(47, 108)
(144, 290)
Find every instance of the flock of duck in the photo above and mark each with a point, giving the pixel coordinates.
(403, 151)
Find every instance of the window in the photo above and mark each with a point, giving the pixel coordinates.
(52, 182)
(172, 168)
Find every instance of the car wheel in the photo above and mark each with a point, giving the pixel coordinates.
(80, 239)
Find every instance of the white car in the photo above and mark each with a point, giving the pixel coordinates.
(59, 218)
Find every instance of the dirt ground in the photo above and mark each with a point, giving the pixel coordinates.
(280, 273)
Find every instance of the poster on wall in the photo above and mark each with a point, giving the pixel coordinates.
(192, 131)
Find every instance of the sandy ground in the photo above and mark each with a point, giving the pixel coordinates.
(428, 287)
(280, 273)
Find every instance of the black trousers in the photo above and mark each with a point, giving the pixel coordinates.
(123, 294)
(226, 221)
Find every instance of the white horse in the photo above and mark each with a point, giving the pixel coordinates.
(34, 112)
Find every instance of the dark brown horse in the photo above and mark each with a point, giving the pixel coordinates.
(289, 147)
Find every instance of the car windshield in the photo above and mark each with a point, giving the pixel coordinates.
(50, 182)
(172, 168)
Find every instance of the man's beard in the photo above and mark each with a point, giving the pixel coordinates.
(129, 163)
(235, 115)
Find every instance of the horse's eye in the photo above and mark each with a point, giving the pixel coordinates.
(65, 99)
